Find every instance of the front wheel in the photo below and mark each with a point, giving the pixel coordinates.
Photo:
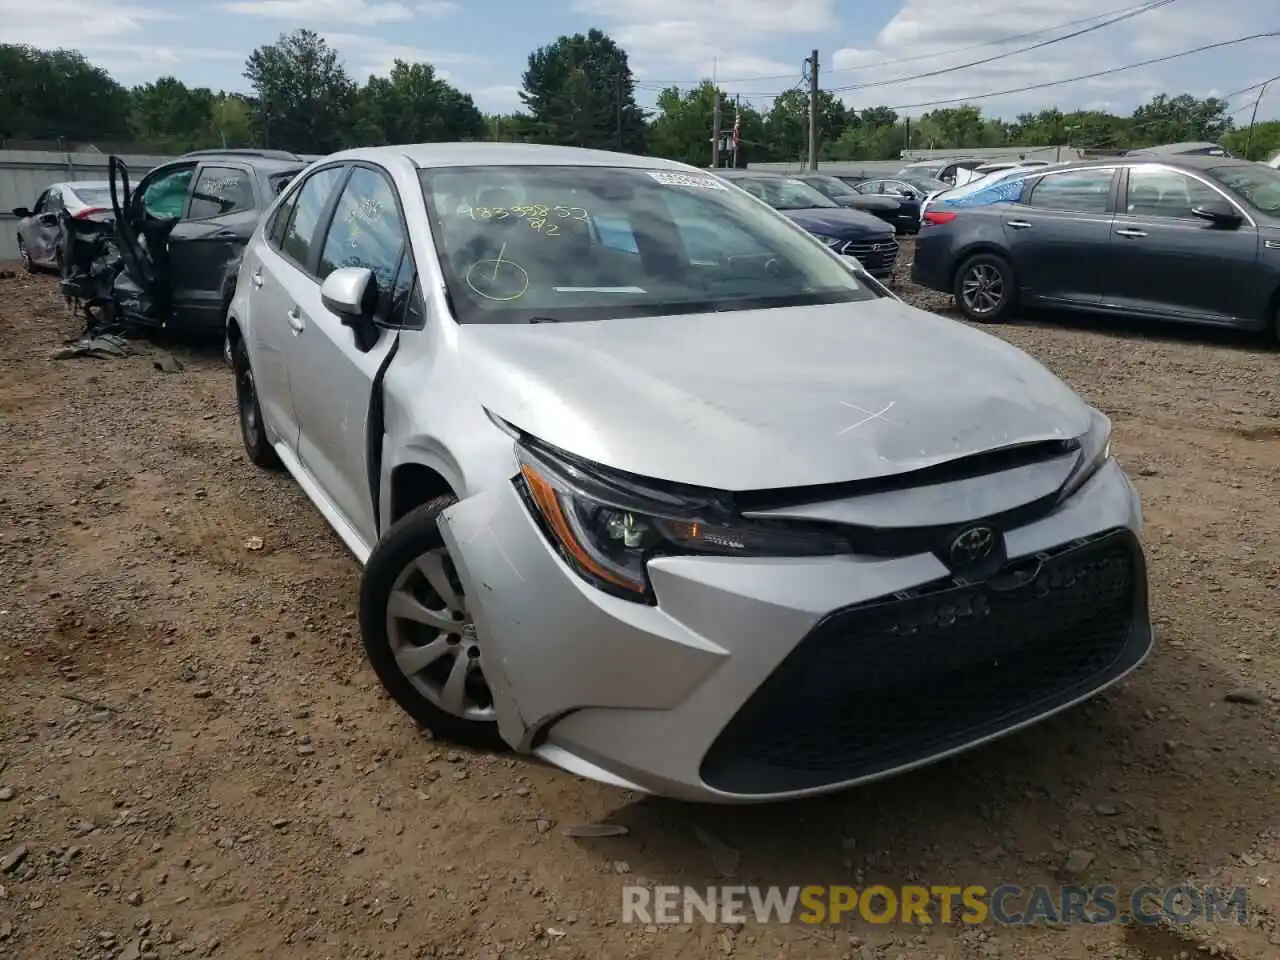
(252, 431)
(419, 634)
(984, 288)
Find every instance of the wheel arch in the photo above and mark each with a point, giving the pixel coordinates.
(972, 250)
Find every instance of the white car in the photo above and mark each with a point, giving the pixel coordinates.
(722, 522)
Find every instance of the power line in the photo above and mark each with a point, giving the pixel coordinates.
(1012, 38)
(1087, 76)
(1146, 8)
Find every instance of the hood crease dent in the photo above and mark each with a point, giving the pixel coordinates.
(769, 399)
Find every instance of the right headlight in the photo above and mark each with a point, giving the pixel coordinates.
(1095, 450)
(607, 525)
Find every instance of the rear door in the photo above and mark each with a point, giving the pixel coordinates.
(284, 271)
(1058, 234)
(1168, 261)
(221, 213)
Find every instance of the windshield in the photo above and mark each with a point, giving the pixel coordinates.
(522, 244)
(1254, 183)
(784, 193)
(832, 187)
(93, 196)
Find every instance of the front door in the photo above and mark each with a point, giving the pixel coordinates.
(331, 371)
(1058, 233)
(1169, 262)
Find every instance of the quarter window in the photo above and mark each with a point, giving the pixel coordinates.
(1077, 191)
(312, 201)
(1166, 193)
(219, 191)
(280, 220)
(366, 231)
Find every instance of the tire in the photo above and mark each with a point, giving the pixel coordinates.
(985, 288)
(25, 254)
(405, 564)
(252, 430)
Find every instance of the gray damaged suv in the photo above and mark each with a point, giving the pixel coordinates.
(686, 505)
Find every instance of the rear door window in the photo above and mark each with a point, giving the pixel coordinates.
(166, 197)
(313, 201)
(220, 191)
(1074, 191)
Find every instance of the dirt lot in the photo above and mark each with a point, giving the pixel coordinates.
(195, 760)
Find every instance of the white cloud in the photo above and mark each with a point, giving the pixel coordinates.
(683, 39)
(323, 11)
(367, 55)
(500, 97)
(927, 35)
(73, 23)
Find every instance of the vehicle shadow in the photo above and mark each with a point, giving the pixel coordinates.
(1135, 328)
(1109, 778)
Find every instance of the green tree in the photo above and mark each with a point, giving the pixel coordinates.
(51, 94)
(1260, 145)
(788, 121)
(304, 95)
(579, 91)
(413, 105)
(1166, 119)
(230, 122)
(170, 114)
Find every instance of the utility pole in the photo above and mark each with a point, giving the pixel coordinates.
(737, 127)
(1248, 142)
(715, 132)
(617, 93)
(813, 110)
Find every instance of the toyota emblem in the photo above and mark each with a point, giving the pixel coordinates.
(972, 546)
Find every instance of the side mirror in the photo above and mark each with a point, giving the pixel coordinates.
(21, 212)
(351, 293)
(1219, 213)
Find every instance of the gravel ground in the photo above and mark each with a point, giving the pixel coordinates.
(195, 760)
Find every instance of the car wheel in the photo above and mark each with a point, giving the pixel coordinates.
(23, 252)
(252, 431)
(984, 288)
(419, 635)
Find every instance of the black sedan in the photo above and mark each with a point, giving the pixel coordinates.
(898, 210)
(851, 233)
(1194, 239)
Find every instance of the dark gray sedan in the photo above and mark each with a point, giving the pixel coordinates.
(1191, 238)
(39, 229)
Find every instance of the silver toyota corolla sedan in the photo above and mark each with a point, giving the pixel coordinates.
(648, 483)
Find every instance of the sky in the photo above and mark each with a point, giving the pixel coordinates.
(754, 48)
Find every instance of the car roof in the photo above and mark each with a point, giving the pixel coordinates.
(484, 153)
(1189, 161)
(269, 160)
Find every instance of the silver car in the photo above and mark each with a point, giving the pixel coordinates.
(39, 230)
(648, 483)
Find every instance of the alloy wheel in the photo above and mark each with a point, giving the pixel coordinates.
(248, 396)
(433, 638)
(982, 289)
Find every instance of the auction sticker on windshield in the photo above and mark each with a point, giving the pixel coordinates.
(673, 179)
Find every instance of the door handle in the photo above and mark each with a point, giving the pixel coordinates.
(226, 235)
(295, 321)
(1131, 233)
(1020, 224)
(257, 278)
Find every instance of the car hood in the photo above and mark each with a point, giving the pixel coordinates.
(839, 222)
(768, 399)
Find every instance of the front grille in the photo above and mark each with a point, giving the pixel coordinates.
(877, 257)
(904, 678)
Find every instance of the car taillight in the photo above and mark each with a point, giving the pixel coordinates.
(938, 217)
(88, 212)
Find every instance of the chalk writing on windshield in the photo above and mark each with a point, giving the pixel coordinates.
(539, 216)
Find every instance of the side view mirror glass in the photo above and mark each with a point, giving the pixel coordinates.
(351, 293)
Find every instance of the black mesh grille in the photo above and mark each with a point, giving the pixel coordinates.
(901, 679)
(878, 257)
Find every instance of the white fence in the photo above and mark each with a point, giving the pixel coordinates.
(24, 174)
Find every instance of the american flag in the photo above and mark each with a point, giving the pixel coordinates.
(737, 128)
